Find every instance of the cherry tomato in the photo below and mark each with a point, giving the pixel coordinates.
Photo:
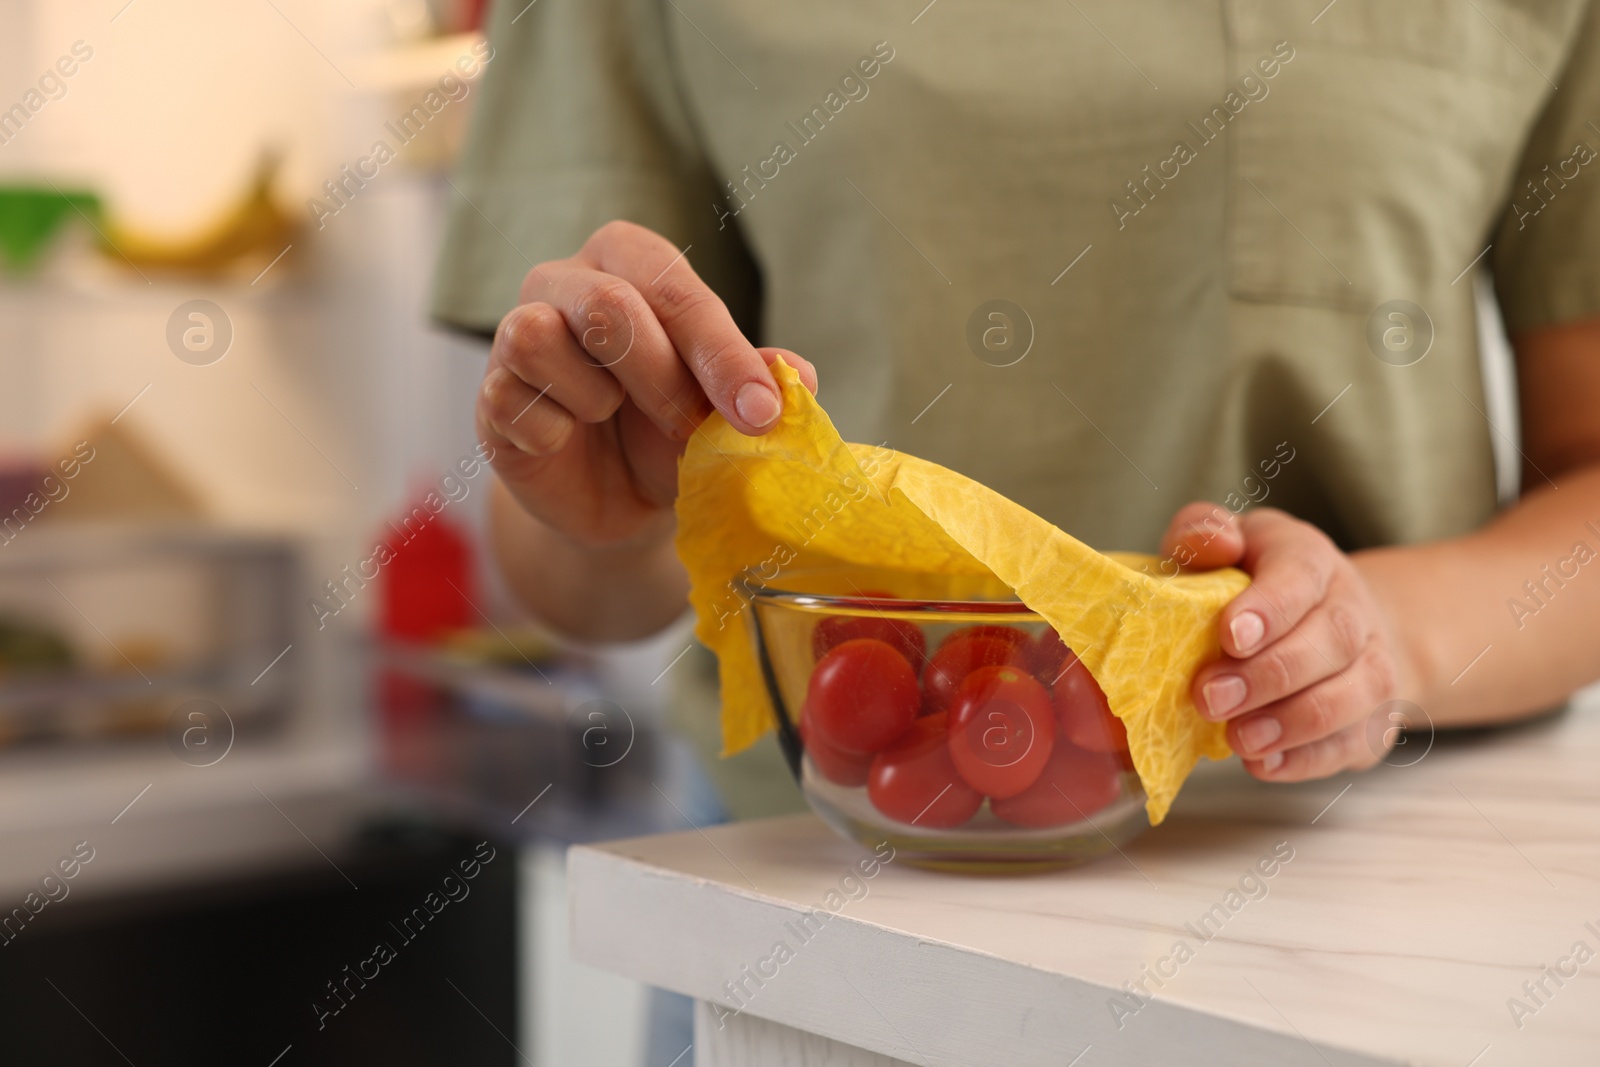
(1046, 655)
(1013, 634)
(862, 695)
(1002, 729)
(904, 637)
(1083, 713)
(1074, 784)
(914, 781)
(834, 764)
(958, 656)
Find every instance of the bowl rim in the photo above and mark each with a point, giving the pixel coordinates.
(762, 591)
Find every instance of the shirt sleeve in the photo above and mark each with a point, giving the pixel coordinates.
(579, 120)
(1547, 252)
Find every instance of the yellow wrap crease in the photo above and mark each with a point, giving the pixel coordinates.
(800, 497)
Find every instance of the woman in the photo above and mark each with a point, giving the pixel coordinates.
(1107, 259)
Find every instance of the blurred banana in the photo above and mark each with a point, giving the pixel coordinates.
(255, 229)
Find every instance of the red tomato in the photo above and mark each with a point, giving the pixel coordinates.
(1083, 713)
(1013, 634)
(1046, 655)
(904, 637)
(958, 656)
(1002, 729)
(1074, 785)
(834, 764)
(914, 781)
(862, 695)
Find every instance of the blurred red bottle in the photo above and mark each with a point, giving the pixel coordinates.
(425, 591)
(426, 588)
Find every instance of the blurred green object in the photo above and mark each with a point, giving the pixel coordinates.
(30, 216)
(26, 647)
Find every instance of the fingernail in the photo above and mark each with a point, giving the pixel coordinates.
(1222, 694)
(1257, 735)
(757, 404)
(1247, 630)
(1271, 761)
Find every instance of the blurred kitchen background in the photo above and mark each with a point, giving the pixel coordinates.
(251, 659)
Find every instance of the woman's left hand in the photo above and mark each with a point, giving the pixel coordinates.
(1308, 652)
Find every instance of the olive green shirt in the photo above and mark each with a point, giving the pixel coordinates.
(1104, 257)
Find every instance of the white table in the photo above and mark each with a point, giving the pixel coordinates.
(1414, 908)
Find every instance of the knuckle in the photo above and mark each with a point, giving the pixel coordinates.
(526, 331)
(605, 339)
(1200, 517)
(1314, 759)
(612, 394)
(537, 280)
(617, 232)
(612, 299)
(1307, 587)
(1293, 595)
(1307, 763)
(682, 399)
(722, 365)
(1317, 534)
(598, 400)
(1268, 524)
(486, 432)
(1296, 764)
(1295, 525)
(1209, 517)
(1382, 672)
(1319, 711)
(548, 433)
(1349, 631)
(1325, 554)
(679, 298)
(1274, 674)
(497, 397)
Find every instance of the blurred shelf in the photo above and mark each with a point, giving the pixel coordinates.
(106, 543)
(154, 820)
(91, 784)
(413, 65)
(538, 752)
(77, 280)
(545, 690)
(63, 686)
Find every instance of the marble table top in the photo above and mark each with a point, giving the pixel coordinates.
(1442, 912)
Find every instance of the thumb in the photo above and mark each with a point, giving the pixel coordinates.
(1203, 536)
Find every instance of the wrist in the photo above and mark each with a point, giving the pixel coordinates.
(618, 591)
(640, 548)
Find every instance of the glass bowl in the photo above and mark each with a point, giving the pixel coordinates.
(961, 731)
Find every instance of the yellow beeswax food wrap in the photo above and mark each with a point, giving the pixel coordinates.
(800, 497)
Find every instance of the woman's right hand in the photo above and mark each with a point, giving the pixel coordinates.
(599, 377)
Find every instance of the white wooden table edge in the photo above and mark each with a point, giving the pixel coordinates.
(655, 925)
